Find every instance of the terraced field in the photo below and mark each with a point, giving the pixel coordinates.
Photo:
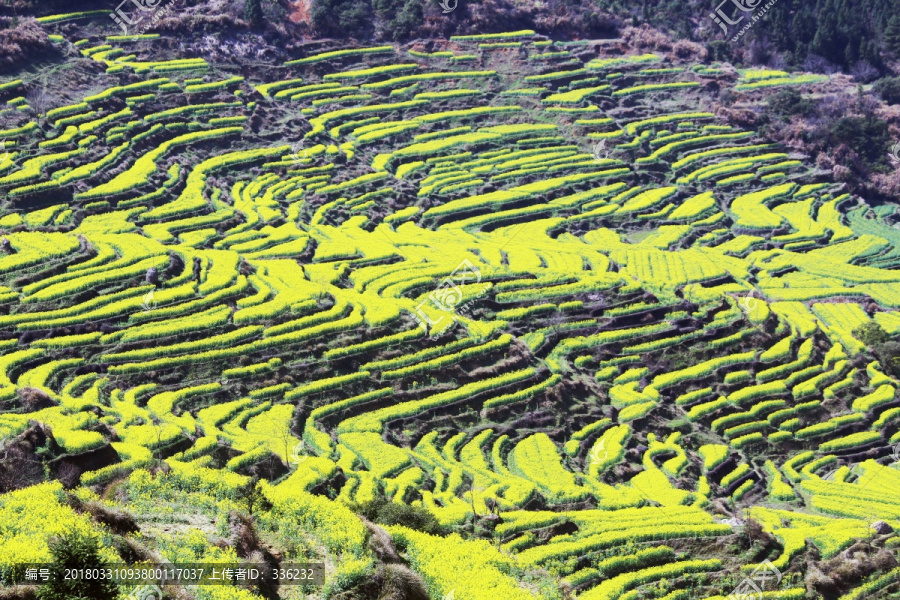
(532, 287)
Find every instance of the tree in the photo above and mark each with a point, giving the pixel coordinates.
(402, 17)
(76, 550)
(889, 89)
(384, 511)
(867, 136)
(159, 430)
(253, 13)
(342, 18)
(892, 35)
(789, 102)
(251, 495)
(883, 346)
(872, 334)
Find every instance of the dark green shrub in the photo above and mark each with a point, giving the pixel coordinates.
(888, 89)
(253, 12)
(867, 136)
(789, 102)
(403, 17)
(385, 512)
(342, 18)
(871, 334)
(885, 348)
(75, 550)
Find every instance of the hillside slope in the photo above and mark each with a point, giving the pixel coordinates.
(485, 317)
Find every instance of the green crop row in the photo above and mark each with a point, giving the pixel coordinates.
(347, 403)
(339, 54)
(780, 351)
(805, 79)
(63, 111)
(790, 466)
(50, 19)
(323, 385)
(17, 131)
(756, 392)
(850, 441)
(713, 455)
(279, 341)
(745, 440)
(406, 79)
(693, 396)
(319, 122)
(214, 85)
(373, 71)
(448, 359)
(440, 54)
(523, 394)
(828, 426)
(884, 394)
(374, 344)
(307, 91)
(9, 85)
(703, 369)
(191, 109)
(77, 285)
(701, 410)
(219, 341)
(588, 430)
(192, 197)
(727, 167)
(655, 87)
(426, 354)
(451, 563)
(145, 166)
(492, 36)
(778, 489)
(265, 88)
(185, 64)
(650, 532)
(109, 306)
(150, 84)
(677, 146)
(803, 357)
(75, 174)
(737, 418)
(635, 126)
(252, 370)
(555, 75)
(743, 489)
(873, 585)
(624, 60)
(33, 167)
(536, 458)
(132, 38)
(813, 385)
(740, 430)
(170, 327)
(734, 475)
(374, 420)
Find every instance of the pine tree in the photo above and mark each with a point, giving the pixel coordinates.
(75, 549)
(253, 13)
(892, 34)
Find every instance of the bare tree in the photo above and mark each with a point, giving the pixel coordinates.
(159, 429)
(38, 97)
(864, 72)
